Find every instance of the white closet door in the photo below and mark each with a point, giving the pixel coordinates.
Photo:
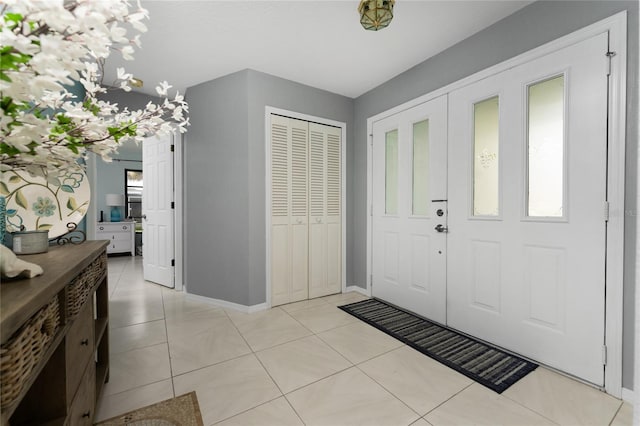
(325, 233)
(289, 210)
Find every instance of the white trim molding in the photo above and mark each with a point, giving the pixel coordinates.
(92, 212)
(227, 305)
(268, 110)
(178, 229)
(356, 289)
(616, 27)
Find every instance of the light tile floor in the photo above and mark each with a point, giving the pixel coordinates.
(308, 363)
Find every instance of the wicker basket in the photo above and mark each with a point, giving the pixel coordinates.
(80, 287)
(24, 350)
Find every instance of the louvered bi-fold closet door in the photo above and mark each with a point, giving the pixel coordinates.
(289, 210)
(325, 233)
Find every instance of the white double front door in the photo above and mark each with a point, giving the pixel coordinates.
(516, 253)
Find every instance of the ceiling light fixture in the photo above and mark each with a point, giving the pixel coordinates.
(376, 14)
(136, 82)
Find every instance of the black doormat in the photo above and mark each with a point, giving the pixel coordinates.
(480, 361)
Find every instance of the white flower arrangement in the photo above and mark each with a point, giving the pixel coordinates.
(47, 46)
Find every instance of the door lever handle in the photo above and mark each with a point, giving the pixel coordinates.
(441, 228)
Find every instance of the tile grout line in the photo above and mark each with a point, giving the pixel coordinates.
(616, 413)
(117, 286)
(352, 364)
(527, 408)
(166, 331)
(296, 320)
(121, 354)
(255, 352)
(252, 408)
(120, 286)
(261, 365)
(294, 409)
(448, 399)
(391, 393)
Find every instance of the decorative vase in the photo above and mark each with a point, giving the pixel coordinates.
(115, 214)
(29, 242)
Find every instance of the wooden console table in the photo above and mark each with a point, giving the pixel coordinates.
(54, 333)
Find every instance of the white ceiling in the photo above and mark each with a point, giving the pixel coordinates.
(319, 43)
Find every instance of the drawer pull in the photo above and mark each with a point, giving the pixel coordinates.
(102, 228)
(85, 342)
(86, 414)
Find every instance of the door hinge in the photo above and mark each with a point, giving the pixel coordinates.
(173, 262)
(606, 211)
(173, 205)
(371, 210)
(371, 280)
(173, 148)
(609, 55)
(604, 354)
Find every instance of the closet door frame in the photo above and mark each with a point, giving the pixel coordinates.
(300, 116)
(616, 26)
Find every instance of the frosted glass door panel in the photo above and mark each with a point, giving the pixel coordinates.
(391, 172)
(421, 168)
(546, 148)
(486, 164)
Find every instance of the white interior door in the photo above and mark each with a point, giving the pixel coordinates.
(157, 211)
(409, 203)
(527, 191)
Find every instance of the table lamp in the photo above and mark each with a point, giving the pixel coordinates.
(115, 201)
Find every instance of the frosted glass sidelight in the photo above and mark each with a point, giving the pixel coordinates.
(391, 172)
(545, 139)
(486, 164)
(421, 168)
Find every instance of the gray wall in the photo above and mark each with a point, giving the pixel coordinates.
(110, 176)
(224, 178)
(268, 90)
(528, 28)
(216, 184)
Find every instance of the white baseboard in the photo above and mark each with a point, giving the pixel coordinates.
(228, 305)
(255, 308)
(627, 395)
(357, 289)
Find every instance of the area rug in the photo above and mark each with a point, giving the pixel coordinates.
(480, 361)
(179, 411)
